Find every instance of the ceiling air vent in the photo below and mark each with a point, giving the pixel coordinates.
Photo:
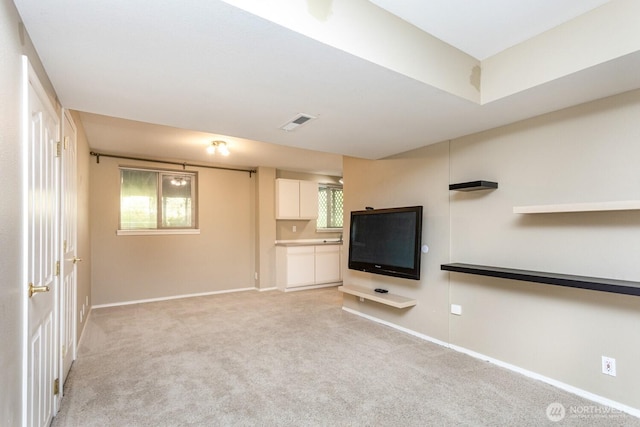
(298, 120)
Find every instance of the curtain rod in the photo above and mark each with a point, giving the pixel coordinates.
(168, 162)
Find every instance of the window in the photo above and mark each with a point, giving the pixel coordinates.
(329, 207)
(157, 200)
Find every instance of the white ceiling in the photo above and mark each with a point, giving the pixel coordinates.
(127, 137)
(180, 74)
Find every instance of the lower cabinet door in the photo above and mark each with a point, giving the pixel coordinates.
(300, 266)
(328, 264)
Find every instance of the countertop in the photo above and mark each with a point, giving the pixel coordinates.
(318, 242)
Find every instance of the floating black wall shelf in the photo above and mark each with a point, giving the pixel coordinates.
(474, 186)
(583, 282)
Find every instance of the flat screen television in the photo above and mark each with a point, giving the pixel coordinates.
(386, 241)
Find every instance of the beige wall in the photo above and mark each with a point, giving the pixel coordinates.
(132, 268)
(420, 178)
(583, 154)
(266, 228)
(305, 229)
(83, 290)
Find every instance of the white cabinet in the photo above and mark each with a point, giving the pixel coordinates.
(308, 200)
(287, 198)
(299, 266)
(307, 266)
(328, 264)
(296, 199)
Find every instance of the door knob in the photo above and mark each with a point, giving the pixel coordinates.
(36, 289)
(76, 259)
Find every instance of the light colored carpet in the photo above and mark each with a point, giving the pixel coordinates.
(287, 359)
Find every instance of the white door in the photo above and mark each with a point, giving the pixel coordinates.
(69, 249)
(41, 192)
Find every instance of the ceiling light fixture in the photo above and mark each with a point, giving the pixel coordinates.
(219, 146)
(179, 181)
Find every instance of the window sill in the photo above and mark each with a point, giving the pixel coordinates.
(157, 232)
(328, 230)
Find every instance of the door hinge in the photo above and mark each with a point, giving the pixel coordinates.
(56, 386)
(66, 142)
(64, 246)
(57, 268)
(58, 149)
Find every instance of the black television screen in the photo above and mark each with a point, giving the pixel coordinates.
(386, 241)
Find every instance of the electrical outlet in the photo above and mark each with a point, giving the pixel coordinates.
(609, 366)
(294, 228)
(456, 309)
(256, 275)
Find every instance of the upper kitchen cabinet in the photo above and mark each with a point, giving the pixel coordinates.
(296, 199)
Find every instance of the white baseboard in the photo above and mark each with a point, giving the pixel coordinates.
(306, 288)
(400, 328)
(143, 301)
(274, 288)
(558, 384)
